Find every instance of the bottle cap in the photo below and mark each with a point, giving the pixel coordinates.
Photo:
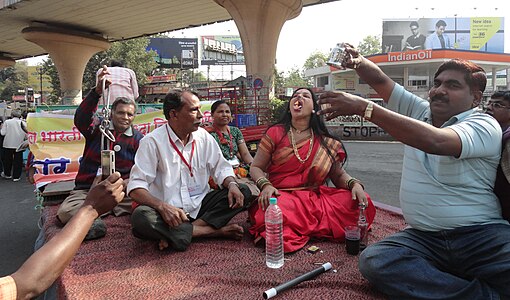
(272, 200)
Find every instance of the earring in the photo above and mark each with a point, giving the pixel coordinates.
(313, 111)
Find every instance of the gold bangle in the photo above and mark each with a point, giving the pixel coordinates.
(264, 184)
(350, 183)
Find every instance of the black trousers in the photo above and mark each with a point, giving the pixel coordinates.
(13, 162)
(148, 224)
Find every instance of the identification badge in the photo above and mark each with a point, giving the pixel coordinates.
(194, 189)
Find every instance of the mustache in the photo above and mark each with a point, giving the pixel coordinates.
(438, 98)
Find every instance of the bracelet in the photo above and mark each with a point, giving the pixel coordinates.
(262, 181)
(261, 187)
(234, 182)
(350, 183)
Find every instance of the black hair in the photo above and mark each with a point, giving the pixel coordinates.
(123, 100)
(173, 100)
(473, 74)
(216, 104)
(504, 95)
(440, 23)
(116, 63)
(317, 124)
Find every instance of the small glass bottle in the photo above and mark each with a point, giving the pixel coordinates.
(363, 225)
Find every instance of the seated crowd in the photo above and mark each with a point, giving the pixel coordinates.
(455, 247)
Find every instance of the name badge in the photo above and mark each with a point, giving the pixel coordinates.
(194, 189)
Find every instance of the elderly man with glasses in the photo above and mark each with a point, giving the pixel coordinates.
(499, 107)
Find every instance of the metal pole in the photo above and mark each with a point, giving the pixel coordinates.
(40, 78)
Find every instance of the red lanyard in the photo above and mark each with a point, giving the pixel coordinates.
(180, 153)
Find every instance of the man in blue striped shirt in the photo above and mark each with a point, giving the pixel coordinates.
(457, 245)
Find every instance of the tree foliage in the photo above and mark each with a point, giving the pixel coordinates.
(50, 70)
(296, 78)
(13, 79)
(315, 60)
(132, 52)
(371, 44)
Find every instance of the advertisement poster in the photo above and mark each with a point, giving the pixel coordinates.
(222, 50)
(175, 53)
(485, 34)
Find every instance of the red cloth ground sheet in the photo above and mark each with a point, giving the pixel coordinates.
(120, 266)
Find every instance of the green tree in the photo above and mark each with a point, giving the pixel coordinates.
(295, 78)
(279, 82)
(315, 60)
(50, 69)
(371, 44)
(14, 78)
(134, 54)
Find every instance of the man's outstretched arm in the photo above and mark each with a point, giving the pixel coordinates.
(45, 266)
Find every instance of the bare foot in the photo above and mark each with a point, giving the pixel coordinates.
(232, 231)
(163, 244)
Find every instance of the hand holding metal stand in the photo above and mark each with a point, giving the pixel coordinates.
(107, 155)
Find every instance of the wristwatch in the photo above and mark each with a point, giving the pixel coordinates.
(368, 111)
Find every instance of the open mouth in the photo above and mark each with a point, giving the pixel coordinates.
(298, 105)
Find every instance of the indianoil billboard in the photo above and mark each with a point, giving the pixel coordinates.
(485, 34)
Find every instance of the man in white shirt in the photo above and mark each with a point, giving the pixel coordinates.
(169, 180)
(14, 131)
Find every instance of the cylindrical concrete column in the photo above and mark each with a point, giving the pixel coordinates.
(70, 51)
(259, 23)
(6, 62)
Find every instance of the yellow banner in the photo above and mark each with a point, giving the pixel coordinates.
(57, 145)
(482, 30)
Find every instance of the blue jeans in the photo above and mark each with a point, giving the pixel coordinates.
(464, 263)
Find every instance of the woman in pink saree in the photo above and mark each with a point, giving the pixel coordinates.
(299, 154)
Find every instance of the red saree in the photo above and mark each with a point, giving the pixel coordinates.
(310, 209)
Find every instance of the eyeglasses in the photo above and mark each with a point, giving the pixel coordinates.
(497, 105)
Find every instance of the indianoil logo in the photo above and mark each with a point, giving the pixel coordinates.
(411, 55)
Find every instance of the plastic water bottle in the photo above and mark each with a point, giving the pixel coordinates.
(363, 225)
(274, 235)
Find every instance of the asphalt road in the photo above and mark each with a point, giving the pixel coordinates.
(377, 164)
(18, 223)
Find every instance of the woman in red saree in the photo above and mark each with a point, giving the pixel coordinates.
(299, 154)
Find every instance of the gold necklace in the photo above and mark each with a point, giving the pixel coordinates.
(296, 153)
(299, 131)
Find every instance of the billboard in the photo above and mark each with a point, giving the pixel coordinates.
(175, 53)
(222, 50)
(484, 34)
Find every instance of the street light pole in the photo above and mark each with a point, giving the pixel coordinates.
(40, 70)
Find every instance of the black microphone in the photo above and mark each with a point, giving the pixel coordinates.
(284, 286)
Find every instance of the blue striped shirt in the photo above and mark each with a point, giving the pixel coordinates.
(439, 192)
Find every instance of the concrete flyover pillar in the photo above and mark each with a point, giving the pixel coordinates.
(259, 23)
(70, 52)
(6, 62)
